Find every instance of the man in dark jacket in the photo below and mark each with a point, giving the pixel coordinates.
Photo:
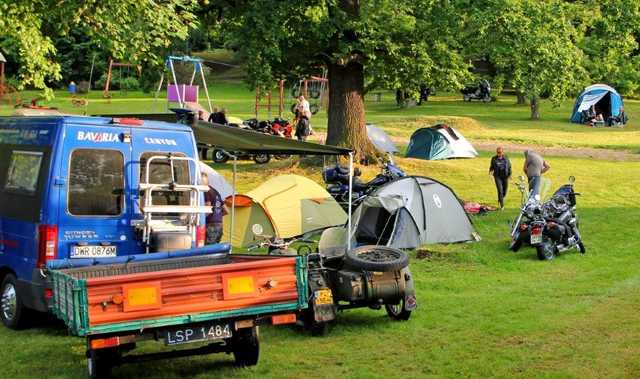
(500, 169)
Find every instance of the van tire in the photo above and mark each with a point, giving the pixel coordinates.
(100, 363)
(246, 347)
(219, 156)
(12, 310)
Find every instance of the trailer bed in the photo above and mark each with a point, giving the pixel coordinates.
(123, 297)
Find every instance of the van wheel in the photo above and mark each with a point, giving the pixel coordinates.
(261, 158)
(246, 347)
(12, 311)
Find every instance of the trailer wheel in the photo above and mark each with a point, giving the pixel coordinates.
(12, 311)
(99, 363)
(246, 347)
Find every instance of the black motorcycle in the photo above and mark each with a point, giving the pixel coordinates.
(481, 91)
(551, 227)
(337, 180)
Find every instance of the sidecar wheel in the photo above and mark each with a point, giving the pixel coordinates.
(546, 251)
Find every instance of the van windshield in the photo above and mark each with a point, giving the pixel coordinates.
(96, 182)
(160, 173)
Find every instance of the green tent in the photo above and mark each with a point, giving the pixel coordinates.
(439, 142)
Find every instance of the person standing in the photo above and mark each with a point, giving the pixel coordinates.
(500, 169)
(214, 219)
(534, 167)
(303, 128)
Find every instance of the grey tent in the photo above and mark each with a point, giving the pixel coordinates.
(380, 139)
(410, 212)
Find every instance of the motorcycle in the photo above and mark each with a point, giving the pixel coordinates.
(481, 92)
(367, 276)
(552, 226)
(337, 180)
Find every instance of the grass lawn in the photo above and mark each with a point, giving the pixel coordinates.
(483, 311)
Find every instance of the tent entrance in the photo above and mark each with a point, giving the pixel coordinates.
(376, 227)
(603, 106)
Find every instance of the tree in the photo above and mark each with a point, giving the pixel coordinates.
(364, 45)
(532, 44)
(134, 30)
(611, 30)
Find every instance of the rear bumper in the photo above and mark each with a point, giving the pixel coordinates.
(32, 292)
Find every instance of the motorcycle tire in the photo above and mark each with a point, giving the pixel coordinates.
(516, 244)
(486, 99)
(397, 311)
(220, 157)
(377, 258)
(262, 158)
(314, 108)
(546, 251)
(581, 248)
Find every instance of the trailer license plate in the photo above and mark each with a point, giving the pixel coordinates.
(323, 296)
(93, 251)
(189, 334)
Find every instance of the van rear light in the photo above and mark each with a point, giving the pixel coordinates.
(47, 244)
(201, 235)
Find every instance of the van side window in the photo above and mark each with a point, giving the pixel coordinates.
(96, 183)
(160, 173)
(24, 170)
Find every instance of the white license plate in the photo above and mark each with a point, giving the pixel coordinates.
(93, 251)
(200, 333)
(536, 239)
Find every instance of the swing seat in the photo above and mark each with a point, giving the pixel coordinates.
(188, 93)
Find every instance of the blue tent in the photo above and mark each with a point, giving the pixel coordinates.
(604, 98)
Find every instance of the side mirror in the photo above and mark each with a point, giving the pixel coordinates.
(572, 179)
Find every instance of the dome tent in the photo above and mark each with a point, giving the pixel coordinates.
(409, 212)
(439, 142)
(606, 100)
(285, 206)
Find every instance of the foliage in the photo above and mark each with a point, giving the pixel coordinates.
(611, 31)
(532, 45)
(137, 31)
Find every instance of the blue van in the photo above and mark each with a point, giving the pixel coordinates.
(74, 187)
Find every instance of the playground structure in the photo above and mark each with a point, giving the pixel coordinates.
(112, 65)
(313, 88)
(269, 104)
(185, 95)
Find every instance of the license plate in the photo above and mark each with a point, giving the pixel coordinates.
(323, 296)
(536, 238)
(93, 251)
(189, 334)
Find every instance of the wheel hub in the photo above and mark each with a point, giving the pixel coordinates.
(8, 303)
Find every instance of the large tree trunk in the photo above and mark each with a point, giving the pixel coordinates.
(522, 100)
(535, 108)
(346, 109)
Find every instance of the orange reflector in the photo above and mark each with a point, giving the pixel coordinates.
(288, 318)
(142, 296)
(103, 343)
(235, 286)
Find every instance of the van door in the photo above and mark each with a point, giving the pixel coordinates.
(95, 207)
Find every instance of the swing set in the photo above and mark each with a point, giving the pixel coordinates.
(121, 66)
(183, 94)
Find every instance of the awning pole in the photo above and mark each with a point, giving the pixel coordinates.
(350, 194)
(233, 199)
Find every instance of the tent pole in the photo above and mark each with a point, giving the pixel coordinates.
(204, 84)
(350, 194)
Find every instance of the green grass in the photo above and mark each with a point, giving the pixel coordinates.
(483, 311)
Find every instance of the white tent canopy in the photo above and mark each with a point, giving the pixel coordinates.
(216, 180)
